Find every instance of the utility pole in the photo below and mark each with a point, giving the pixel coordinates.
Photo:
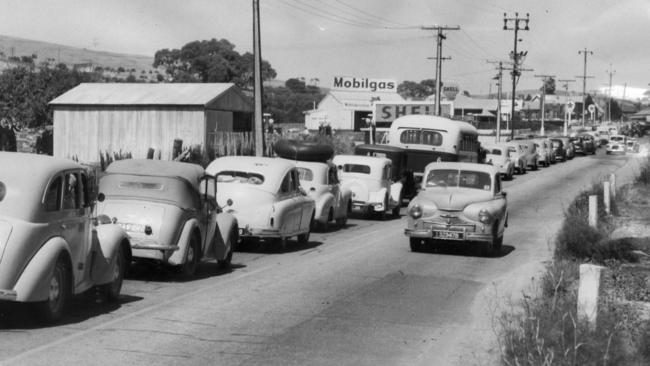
(544, 79)
(259, 131)
(499, 78)
(516, 57)
(567, 112)
(609, 100)
(440, 37)
(584, 83)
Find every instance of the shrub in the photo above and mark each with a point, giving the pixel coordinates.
(644, 174)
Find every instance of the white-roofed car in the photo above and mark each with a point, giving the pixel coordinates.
(369, 178)
(458, 202)
(170, 212)
(265, 196)
(321, 182)
(632, 145)
(617, 144)
(498, 155)
(517, 156)
(51, 244)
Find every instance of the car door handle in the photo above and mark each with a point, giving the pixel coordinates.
(64, 226)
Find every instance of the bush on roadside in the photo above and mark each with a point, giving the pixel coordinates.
(644, 174)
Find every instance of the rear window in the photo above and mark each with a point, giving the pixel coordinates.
(141, 185)
(356, 168)
(616, 138)
(240, 177)
(495, 151)
(424, 137)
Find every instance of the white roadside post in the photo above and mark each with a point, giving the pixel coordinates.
(606, 198)
(588, 293)
(593, 210)
(612, 182)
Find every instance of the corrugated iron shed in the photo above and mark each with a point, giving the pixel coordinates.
(144, 94)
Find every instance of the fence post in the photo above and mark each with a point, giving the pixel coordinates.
(612, 181)
(593, 210)
(606, 199)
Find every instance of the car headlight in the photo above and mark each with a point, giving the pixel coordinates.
(484, 216)
(415, 211)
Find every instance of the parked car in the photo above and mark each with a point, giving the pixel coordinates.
(401, 160)
(543, 154)
(459, 202)
(369, 179)
(170, 212)
(588, 143)
(527, 151)
(578, 146)
(265, 196)
(321, 182)
(617, 144)
(498, 155)
(569, 149)
(51, 244)
(558, 148)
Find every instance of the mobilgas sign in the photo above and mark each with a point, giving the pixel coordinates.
(388, 112)
(364, 84)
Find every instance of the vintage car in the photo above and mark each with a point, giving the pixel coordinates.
(543, 154)
(520, 155)
(499, 156)
(403, 161)
(617, 144)
(558, 148)
(370, 180)
(169, 211)
(588, 143)
(569, 149)
(51, 245)
(265, 196)
(459, 202)
(321, 182)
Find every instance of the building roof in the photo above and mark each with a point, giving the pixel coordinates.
(186, 94)
(464, 102)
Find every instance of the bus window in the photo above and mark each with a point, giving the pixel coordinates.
(410, 137)
(433, 138)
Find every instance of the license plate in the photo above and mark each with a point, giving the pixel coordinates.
(448, 235)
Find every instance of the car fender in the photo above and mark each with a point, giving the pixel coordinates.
(33, 284)
(107, 240)
(396, 194)
(346, 199)
(323, 204)
(228, 228)
(178, 257)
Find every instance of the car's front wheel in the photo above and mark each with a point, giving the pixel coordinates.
(59, 293)
(225, 263)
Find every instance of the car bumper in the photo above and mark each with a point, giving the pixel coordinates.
(459, 232)
(368, 206)
(248, 232)
(8, 295)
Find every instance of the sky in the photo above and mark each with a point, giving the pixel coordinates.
(379, 39)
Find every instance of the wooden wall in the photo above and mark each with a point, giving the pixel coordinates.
(84, 131)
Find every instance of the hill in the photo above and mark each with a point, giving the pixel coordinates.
(56, 53)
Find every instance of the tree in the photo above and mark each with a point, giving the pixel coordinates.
(210, 61)
(549, 85)
(288, 103)
(412, 90)
(295, 85)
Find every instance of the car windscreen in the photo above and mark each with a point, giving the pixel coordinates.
(616, 138)
(494, 151)
(459, 178)
(235, 176)
(356, 168)
(305, 174)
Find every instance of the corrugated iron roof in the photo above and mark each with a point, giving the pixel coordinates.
(199, 94)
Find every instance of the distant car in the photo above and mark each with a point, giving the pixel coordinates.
(51, 245)
(558, 148)
(617, 144)
(568, 147)
(265, 196)
(543, 153)
(369, 179)
(578, 145)
(170, 212)
(459, 202)
(498, 155)
(588, 144)
(526, 151)
(321, 182)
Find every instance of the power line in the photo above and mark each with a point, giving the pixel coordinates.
(368, 14)
(310, 9)
(441, 37)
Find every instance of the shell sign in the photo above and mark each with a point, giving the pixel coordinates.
(450, 90)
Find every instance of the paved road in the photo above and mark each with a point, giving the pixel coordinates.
(356, 296)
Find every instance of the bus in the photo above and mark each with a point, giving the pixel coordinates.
(428, 138)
